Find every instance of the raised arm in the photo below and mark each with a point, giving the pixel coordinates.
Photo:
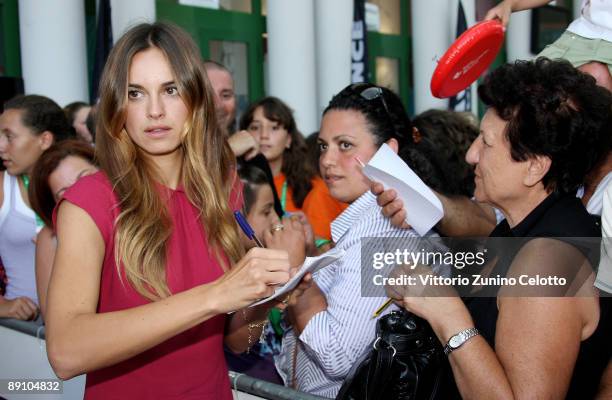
(80, 340)
(503, 10)
(465, 217)
(462, 216)
(242, 144)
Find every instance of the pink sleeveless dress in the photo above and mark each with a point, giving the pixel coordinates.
(190, 365)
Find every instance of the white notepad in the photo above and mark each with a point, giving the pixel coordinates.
(423, 208)
(312, 265)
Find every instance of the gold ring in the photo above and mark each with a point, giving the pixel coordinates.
(277, 227)
(287, 300)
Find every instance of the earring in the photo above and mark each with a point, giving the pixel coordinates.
(416, 135)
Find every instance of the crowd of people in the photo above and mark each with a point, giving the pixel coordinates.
(118, 228)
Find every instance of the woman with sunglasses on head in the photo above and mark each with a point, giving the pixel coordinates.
(271, 123)
(58, 168)
(332, 322)
(150, 241)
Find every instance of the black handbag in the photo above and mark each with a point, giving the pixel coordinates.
(405, 362)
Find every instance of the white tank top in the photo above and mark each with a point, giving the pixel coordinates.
(595, 21)
(17, 249)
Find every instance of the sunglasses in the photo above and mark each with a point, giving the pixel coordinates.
(372, 93)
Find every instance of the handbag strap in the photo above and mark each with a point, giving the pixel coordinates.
(379, 369)
(436, 384)
(293, 384)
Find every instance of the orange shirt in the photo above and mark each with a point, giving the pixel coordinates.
(319, 206)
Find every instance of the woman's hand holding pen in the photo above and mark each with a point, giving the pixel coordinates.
(254, 277)
(287, 236)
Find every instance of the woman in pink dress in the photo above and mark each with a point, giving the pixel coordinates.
(149, 265)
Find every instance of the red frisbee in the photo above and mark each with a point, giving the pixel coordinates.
(468, 57)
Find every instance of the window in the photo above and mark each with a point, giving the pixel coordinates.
(387, 73)
(389, 15)
(236, 5)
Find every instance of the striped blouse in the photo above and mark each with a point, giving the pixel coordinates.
(334, 338)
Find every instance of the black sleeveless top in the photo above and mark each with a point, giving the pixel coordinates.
(558, 216)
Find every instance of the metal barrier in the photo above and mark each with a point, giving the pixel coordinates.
(24, 356)
(267, 390)
(30, 328)
(240, 382)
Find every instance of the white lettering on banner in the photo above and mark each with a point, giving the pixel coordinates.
(357, 52)
(357, 30)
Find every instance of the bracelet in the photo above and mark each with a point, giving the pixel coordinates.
(251, 326)
(459, 339)
(285, 303)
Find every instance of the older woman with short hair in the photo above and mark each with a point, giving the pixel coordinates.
(546, 126)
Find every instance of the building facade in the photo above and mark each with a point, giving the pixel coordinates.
(298, 50)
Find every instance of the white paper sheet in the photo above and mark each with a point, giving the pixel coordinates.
(312, 265)
(423, 208)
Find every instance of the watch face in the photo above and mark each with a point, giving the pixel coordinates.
(455, 341)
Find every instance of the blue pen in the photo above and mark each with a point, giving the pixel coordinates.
(246, 228)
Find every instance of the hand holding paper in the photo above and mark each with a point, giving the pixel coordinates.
(424, 209)
(392, 172)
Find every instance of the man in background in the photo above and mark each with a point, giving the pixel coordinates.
(244, 146)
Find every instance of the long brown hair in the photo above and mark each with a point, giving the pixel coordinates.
(39, 193)
(143, 227)
(297, 170)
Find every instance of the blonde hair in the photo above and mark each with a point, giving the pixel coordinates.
(143, 227)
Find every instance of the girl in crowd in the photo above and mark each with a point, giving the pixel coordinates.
(77, 114)
(332, 324)
(56, 170)
(272, 124)
(259, 211)
(29, 125)
(547, 125)
(150, 241)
